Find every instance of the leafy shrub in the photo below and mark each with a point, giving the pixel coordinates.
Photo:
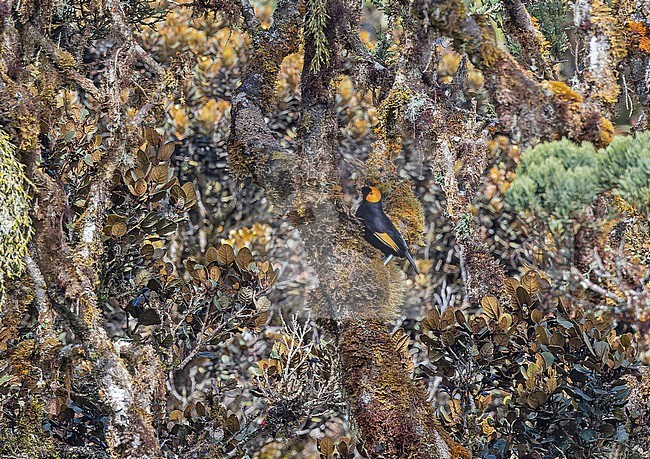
(624, 167)
(557, 178)
(561, 178)
(524, 383)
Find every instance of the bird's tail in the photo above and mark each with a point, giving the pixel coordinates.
(410, 259)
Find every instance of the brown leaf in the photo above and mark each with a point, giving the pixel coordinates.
(490, 305)
(232, 424)
(487, 350)
(460, 317)
(165, 152)
(244, 258)
(557, 340)
(118, 229)
(261, 319)
(140, 187)
(536, 315)
(190, 195)
(214, 272)
(225, 255)
(523, 297)
(151, 136)
(160, 173)
(530, 282)
(147, 250)
(431, 321)
(500, 339)
(211, 255)
(326, 446)
(536, 399)
(511, 286)
(505, 321)
(542, 335)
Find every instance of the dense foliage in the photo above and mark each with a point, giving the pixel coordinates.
(560, 179)
(533, 375)
(181, 275)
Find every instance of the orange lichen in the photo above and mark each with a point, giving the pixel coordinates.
(644, 45)
(563, 91)
(447, 65)
(606, 131)
(638, 36)
(21, 358)
(637, 28)
(544, 44)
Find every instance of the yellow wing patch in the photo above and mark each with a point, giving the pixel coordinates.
(386, 239)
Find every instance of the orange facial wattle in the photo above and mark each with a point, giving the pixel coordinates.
(374, 195)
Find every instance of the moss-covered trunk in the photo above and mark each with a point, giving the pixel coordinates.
(356, 296)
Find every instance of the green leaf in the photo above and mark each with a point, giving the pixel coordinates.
(588, 435)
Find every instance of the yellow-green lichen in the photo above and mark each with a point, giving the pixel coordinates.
(15, 224)
(388, 146)
(607, 46)
(26, 438)
(390, 110)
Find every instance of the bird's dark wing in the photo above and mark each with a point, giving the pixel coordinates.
(388, 241)
(386, 232)
(380, 230)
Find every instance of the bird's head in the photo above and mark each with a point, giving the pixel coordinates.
(371, 194)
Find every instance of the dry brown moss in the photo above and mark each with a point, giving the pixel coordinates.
(391, 411)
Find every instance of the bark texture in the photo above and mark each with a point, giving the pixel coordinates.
(63, 262)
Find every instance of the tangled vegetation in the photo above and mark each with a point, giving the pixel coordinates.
(15, 224)
(534, 374)
(182, 275)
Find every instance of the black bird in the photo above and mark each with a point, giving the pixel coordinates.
(379, 230)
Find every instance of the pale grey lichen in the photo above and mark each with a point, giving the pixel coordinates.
(598, 54)
(581, 12)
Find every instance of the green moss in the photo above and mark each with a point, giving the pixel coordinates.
(550, 15)
(404, 207)
(390, 112)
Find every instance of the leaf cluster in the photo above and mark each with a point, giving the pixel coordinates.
(148, 204)
(534, 374)
(344, 448)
